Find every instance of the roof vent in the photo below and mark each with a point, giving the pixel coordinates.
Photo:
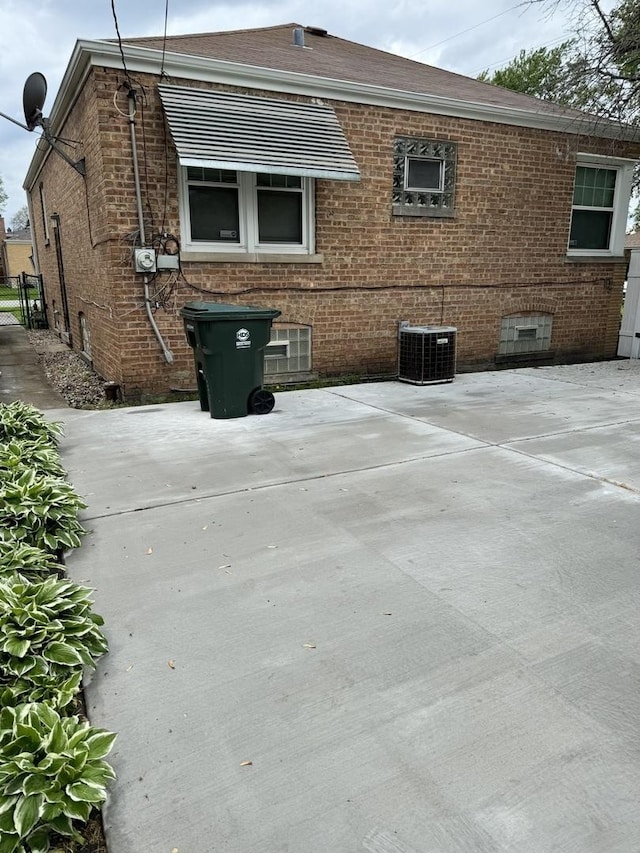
(298, 37)
(317, 31)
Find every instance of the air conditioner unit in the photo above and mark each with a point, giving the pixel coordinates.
(426, 354)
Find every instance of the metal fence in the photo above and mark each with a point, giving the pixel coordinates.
(22, 301)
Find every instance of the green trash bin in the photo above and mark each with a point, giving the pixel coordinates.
(228, 344)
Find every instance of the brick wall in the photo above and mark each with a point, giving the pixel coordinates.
(504, 252)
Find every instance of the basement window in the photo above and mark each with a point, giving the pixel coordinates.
(424, 172)
(523, 334)
(288, 352)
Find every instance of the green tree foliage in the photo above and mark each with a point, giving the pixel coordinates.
(561, 74)
(541, 73)
(598, 71)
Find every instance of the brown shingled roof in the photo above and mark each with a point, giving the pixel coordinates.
(338, 59)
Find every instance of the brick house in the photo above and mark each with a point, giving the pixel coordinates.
(347, 187)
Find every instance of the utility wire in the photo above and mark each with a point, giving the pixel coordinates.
(499, 62)
(115, 21)
(468, 30)
(604, 282)
(164, 37)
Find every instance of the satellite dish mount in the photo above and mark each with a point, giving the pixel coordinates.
(33, 98)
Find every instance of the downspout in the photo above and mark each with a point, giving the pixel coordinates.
(168, 355)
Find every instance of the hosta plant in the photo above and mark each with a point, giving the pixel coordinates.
(47, 630)
(49, 688)
(41, 511)
(38, 455)
(22, 420)
(52, 775)
(32, 563)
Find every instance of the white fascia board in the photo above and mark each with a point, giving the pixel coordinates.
(604, 159)
(198, 68)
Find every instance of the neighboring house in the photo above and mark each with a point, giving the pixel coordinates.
(347, 187)
(16, 252)
(631, 241)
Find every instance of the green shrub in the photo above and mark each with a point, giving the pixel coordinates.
(38, 455)
(56, 692)
(41, 511)
(32, 563)
(21, 420)
(52, 774)
(47, 630)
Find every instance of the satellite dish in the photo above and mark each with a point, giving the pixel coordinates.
(33, 97)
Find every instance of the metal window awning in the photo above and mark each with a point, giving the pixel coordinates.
(224, 130)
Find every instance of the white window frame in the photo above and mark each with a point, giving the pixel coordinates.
(248, 220)
(621, 197)
(411, 188)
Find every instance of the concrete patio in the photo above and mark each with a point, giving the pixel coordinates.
(384, 618)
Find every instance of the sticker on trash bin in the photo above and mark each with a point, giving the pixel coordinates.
(243, 339)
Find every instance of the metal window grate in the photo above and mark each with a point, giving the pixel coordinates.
(426, 354)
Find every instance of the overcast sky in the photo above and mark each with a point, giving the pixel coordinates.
(465, 36)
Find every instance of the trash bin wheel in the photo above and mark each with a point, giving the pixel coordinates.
(261, 402)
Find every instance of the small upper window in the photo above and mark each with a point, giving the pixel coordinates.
(600, 205)
(423, 177)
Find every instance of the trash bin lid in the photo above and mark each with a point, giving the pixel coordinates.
(221, 311)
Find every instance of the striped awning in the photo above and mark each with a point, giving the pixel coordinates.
(223, 130)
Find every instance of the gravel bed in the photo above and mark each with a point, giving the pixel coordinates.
(67, 371)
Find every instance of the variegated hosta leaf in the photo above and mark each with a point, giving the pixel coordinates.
(37, 454)
(40, 510)
(52, 773)
(53, 690)
(47, 631)
(22, 420)
(32, 563)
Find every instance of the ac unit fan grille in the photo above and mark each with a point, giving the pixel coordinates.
(426, 355)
